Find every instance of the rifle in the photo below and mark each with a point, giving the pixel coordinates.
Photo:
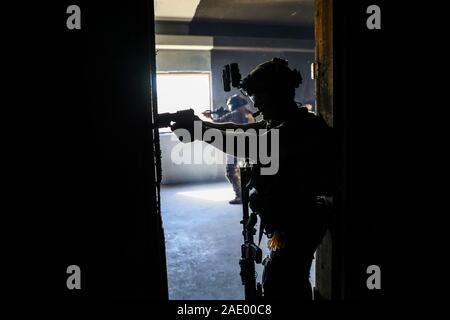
(250, 252)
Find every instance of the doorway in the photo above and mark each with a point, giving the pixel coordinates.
(202, 231)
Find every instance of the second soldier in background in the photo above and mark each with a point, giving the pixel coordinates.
(238, 114)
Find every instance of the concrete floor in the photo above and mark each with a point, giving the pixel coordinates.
(203, 238)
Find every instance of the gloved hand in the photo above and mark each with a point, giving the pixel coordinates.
(189, 125)
(276, 242)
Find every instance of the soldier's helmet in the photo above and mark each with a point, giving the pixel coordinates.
(273, 75)
(236, 101)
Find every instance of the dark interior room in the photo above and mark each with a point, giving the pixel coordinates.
(114, 216)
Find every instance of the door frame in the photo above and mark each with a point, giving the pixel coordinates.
(328, 262)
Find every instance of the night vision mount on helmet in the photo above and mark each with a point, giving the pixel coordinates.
(271, 75)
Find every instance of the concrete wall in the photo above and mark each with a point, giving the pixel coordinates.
(183, 60)
(173, 173)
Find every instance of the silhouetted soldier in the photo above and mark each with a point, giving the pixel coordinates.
(291, 203)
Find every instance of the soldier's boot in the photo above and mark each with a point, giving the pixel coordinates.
(237, 192)
(235, 201)
(234, 178)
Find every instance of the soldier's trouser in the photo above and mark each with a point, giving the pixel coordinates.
(232, 175)
(286, 275)
(286, 271)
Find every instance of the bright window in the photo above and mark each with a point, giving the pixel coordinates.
(178, 91)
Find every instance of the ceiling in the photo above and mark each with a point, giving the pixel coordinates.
(286, 13)
(175, 10)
